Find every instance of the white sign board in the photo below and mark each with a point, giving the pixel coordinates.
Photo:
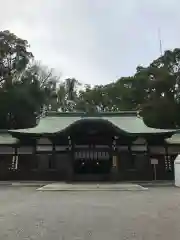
(44, 148)
(154, 161)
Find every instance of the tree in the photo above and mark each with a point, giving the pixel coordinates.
(61, 96)
(45, 81)
(150, 90)
(35, 89)
(14, 57)
(162, 105)
(25, 85)
(85, 102)
(67, 94)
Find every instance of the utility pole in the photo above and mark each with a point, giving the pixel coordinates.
(160, 42)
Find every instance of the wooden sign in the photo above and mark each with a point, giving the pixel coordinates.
(154, 161)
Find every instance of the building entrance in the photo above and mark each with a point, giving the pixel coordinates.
(92, 161)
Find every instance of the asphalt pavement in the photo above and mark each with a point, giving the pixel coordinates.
(99, 215)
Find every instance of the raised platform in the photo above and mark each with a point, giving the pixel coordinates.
(92, 187)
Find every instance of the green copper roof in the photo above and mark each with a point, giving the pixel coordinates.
(49, 125)
(126, 122)
(175, 139)
(135, 125)
(7, 139)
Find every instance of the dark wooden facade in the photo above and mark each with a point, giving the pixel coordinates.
(88, 153)
(88, 162)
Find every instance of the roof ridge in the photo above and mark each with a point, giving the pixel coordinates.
(96, 114)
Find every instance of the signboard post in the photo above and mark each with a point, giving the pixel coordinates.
(115, 161)
(114, 169)
(154, 162)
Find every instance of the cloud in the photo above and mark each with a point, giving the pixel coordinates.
(95, 41)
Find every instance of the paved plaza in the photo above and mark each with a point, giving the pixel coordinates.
(99, 215)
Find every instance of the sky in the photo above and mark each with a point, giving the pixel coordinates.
(95, 41)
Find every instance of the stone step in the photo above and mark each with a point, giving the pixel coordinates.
(91, 187)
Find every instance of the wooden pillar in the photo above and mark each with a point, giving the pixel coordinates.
(35, 153)
(114, 168)
(149, 154)
(52, 158)
(70, 160)
(166, 149)
(130, 152)
(150, 170)
(54, 153)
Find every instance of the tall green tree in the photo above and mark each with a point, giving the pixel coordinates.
(14, 57)
(161, 108)
(25, 85)
(44, 81)
(67, 94)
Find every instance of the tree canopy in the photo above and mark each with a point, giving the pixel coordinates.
(27, 87)
(154, 91)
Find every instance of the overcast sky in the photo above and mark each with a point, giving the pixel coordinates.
(95, 41)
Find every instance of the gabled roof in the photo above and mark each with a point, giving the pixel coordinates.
(127, 122)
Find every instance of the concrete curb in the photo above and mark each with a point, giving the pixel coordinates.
(24, 184)
(27, 185)
(5, 184)
(41, 184)
(158, 185)
(92, 190)
(91, 187)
